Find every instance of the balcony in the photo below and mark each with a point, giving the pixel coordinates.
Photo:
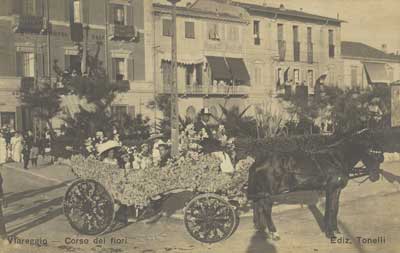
(310, 53)
(282, 50)
(296, 51)
(203, 90)
(29, 24)
(122, 32)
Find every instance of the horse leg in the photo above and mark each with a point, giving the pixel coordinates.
(335, 210)
(259, 218)
(328, 213)
(271, 226)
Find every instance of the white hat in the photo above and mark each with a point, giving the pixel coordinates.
(103, 147)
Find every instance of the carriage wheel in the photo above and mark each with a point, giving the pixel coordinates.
(88, 207)
(209, 218)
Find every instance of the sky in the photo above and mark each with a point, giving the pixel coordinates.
(373, 22)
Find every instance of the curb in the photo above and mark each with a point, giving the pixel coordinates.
(8, 166)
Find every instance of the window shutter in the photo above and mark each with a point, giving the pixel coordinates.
(131, 111)
(110, 14)
(129, 15)
(67, 10)
(39, 65)
(19, 118)
(39, 7)
(131, 69)
(85, 10)
(16, 6)
(113, 69)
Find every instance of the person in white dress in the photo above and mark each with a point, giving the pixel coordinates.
(16, 147)
(3, 150)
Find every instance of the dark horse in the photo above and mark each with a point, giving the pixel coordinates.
(326, 170)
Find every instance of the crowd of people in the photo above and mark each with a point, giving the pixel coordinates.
(194, 139)
(21, 147)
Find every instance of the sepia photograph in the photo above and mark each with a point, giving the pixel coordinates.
(204, 126)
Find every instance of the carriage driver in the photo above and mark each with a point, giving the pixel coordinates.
(209, 143)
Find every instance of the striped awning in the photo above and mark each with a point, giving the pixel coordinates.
(238, 69)
(376, 72)
(219, 68)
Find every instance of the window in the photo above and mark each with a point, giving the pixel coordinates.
(331, 44)
(28, 7)
(310, 78)
(199, 74)
(279, 77)
(77, 11)
(295, 33)
(7, 119)
(118, 14)
(25, 64)
(330, 37)
(233, 34)
(354, 73)
(73, 63)
(213, 31)
(309, 34)
(256, 32)
(280, 32)
(296, 44)
(189, 30)
(189, 71)
(119, 68)
(119, 113)
(167, 27)
(296, 76)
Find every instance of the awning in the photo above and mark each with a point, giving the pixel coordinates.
(376, 72)
(238, 69)
(219, 68)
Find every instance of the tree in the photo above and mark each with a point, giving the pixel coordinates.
(43, 100)
(92, 91)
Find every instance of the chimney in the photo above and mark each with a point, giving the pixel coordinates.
(264, 4)
(282, 7)
(301, 9)
(384, 48)
(337, 15)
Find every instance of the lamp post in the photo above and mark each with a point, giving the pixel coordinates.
(174, 86)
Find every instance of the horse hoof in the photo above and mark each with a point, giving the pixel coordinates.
(330, 235)
(274, 236)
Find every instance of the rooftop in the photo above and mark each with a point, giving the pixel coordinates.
(361, 50)
(286, 12)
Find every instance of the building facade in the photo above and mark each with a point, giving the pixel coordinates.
(274, 47)
(365, 65)
(36, 33)
(210, 47)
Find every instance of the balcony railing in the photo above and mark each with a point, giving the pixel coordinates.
(122, 32)
(211, 90)
(310, 53)
(296, 51)
(282, 50)
(29, 24)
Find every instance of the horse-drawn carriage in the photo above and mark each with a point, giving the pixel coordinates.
(91, 203)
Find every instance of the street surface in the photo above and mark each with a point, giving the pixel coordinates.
(35, 212)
